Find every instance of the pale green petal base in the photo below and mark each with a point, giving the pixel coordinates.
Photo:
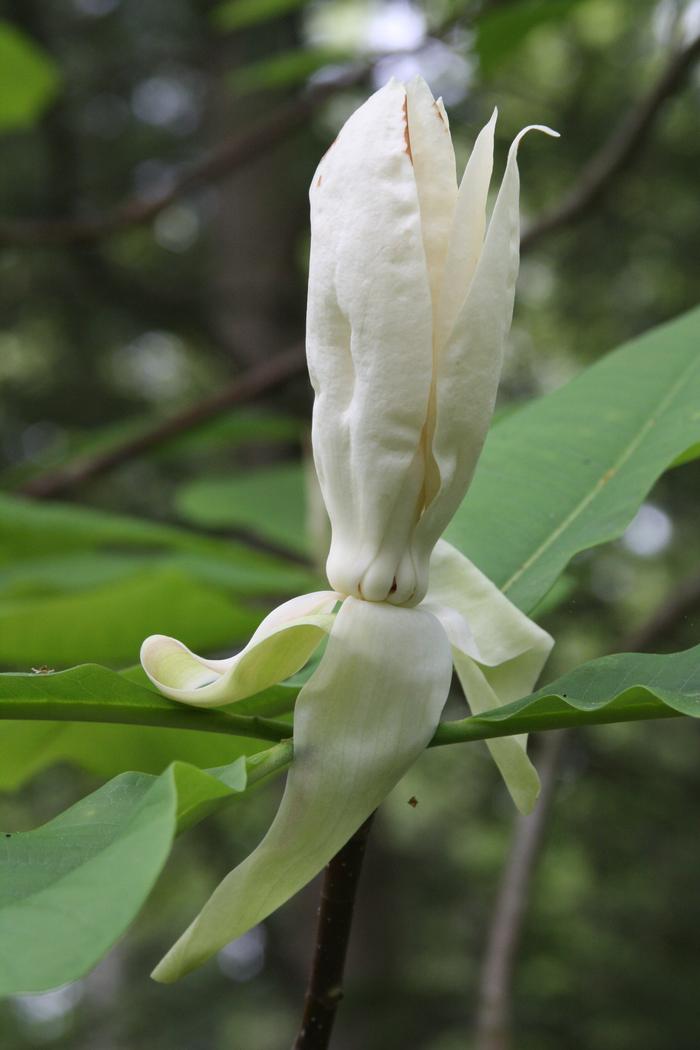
(360, 723)
(498, 652)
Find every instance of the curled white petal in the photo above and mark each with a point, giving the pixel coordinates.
(281, 645)
(360, 722)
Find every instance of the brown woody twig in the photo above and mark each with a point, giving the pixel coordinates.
(325, 988)
(261, 379)
(493, 1012)
(618, 151)
(229, 156)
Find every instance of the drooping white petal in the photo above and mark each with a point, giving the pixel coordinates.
(281, 645)
(498, 652)
(471, 360)
(360, 722)
(369, 347)
(436, 179)
(509, 753)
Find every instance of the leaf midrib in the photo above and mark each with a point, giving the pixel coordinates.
(602, 481)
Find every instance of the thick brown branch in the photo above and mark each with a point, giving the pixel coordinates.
(252, 384)
(505, 931)
(325, 988)
(618, 151)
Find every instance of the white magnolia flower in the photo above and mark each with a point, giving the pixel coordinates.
(410, 300)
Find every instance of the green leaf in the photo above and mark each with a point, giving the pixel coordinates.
(30, 531)
(108, 623)
(625, 687)
(108, 723)
(502, 30)
(238, 14)
(29, 79)
(69, 889)
(620, 688)
(284, 70)
(269, 502)
(78, 584)
(688, 456)
(569, 471)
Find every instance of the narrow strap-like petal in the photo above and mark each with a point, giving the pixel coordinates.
(498, 652)
(471, 359)
(360, 722)
(467, 231)
(282, 644)
(369, 347)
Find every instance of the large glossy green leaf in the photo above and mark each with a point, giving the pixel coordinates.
(77, 584)
(270, 502)
(619, 688)
(625, 687)
(29, 78)
(99, 860)
(109, 723)
(570, 470)
(69, 889)
(106, 750)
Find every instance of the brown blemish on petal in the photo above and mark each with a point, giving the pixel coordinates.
(406, 135)
(439, 113)
(319, 180)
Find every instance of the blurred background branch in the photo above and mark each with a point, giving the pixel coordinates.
(619, 150)
(616, 153)
(228, 157)
(610, 160)
(258, 381)
(495, 1010)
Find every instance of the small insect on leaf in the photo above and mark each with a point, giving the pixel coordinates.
(413, 801)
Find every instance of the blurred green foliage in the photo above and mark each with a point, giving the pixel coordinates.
(107, 99)
(29, 78)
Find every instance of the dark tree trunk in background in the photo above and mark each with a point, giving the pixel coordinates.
(256, 289)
